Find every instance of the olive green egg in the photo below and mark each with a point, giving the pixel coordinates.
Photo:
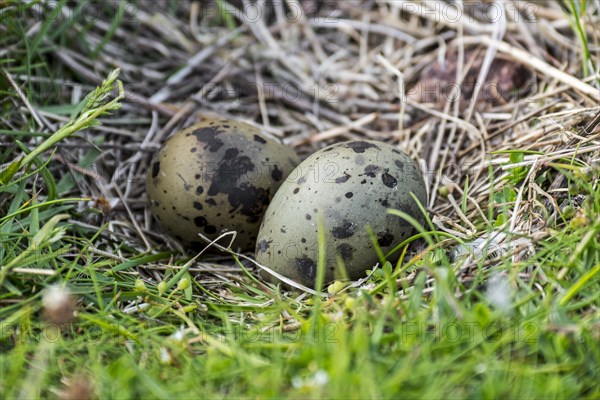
(351, 186)
(216, 176)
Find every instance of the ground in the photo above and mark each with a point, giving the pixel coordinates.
(497, 295)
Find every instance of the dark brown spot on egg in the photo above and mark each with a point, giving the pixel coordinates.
(385, 238)
(349, 195)
(249, 199)
(199, 190)
(208, 136)
(360, 146)
(210, 229)
(229, 170)
(342, 178)
(306, 266)
(263, 246)
(259, 139)
(371, 170)
(399, 164)
(193, 150)
(308, 217)
(210, 202)
(345, 251)
(155, 169)
(343, 231)
(296, 190)
(200, 222)
(389, 180)
(276, 174)
(198, 206)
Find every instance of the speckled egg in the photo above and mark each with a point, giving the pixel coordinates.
(216, 176)
(352, 185)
